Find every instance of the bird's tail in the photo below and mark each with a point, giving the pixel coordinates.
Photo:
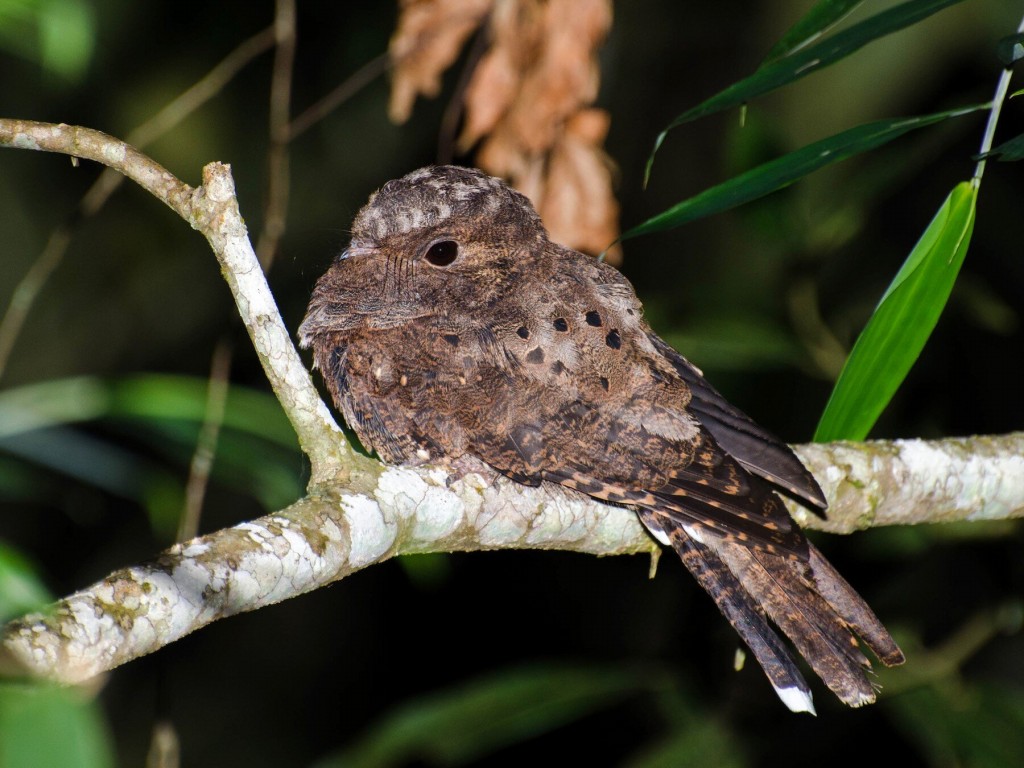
(808, 600)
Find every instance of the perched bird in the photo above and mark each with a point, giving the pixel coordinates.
(452, 326)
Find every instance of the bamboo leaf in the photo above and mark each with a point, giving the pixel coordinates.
(1008, 151)
(902, 322)
(1010, 49)
(778, 173)
(822, 17)
(808, 60)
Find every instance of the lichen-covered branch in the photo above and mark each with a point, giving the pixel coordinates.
(905, 482)
(381, 512)
(317, 540)
(359, 512)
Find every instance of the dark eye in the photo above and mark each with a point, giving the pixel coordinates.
(442, 253)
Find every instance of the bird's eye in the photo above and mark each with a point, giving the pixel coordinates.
(442, 253)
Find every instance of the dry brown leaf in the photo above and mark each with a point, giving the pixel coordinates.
(501, 155)
(589, 126)
(488, 95)
(516, 30)
(527, 104)
(427, 40)
(578, 206)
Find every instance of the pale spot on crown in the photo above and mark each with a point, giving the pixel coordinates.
(430, 196)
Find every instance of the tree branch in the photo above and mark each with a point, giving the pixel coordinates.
(359, 512)
(385, 511)
(905, 482)
(213, 210)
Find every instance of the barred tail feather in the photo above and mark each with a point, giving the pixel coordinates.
(852, 608)
(784, 587)
(739, 607)
(809, 601)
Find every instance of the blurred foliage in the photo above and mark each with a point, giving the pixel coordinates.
(48, 725)
(459, 725)
(59, 35)
(20, 588)
(44, 724)
(504, 658)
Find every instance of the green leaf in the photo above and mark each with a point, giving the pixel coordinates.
(806, 61)
(1010, 49)
(48, 725)
(958, 723)
(783, 171)
(166, 411)
(461, 724)
(21, 591)
(1008, 151)
(67, 31)
(902, 322)
(85, 398)
(822, 17)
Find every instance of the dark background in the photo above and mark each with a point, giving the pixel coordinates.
(139, 292)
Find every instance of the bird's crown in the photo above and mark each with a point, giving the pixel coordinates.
(440, 194)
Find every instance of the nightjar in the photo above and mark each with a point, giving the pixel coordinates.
(453, 326)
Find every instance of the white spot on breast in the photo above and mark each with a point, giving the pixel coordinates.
(423, 454)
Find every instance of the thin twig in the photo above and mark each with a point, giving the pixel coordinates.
(275, 214)
(206, 444)
(212, 83)
(348, 88)
(456, 104)
(179, 108)
(27, 290)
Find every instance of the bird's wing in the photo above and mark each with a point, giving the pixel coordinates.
(727, 525)
(755, 448)
(653, 442)
(704, 486)
(621, 434)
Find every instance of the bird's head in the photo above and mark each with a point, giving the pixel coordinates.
(423, 240)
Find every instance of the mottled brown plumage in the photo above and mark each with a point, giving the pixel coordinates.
(452, 326)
